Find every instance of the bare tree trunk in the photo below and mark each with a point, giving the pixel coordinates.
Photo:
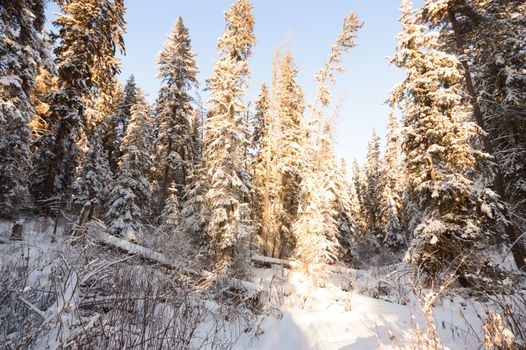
(57, 157)
(85, 216)
(166, 178)
(17, 231)
(265, 225)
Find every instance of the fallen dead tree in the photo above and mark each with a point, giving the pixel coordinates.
(146, 253)
(206, 277)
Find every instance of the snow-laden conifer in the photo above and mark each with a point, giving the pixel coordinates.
(392, 203)
(488, 38)
(90, 33)
(94, 181)
(130, 198)
(374, 182)
(441, 160)
(292, 153)
(21, 49)
(174, 145)
(225, 141)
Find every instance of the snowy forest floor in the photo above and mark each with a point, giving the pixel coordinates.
(56, 292)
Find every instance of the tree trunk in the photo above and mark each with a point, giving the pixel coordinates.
(17, 231)
(57, 157)
(85, 216)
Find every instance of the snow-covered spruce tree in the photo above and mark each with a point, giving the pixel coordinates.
(488, 37)
(130, 196)
(21, 50)
(315, 229)
(113, 124)
(178, 71)
(335, 183)
(225, 140)
(441, 161)
(259, 121)
(392, 202)
(93, 184)
(374, 183)
(40, 124)
(358, 187)
(170, 216)
(265, 177)
(316, 226)
(125, 105)
(196, 131)
(195, 214)
(90, 32)
(291, 155)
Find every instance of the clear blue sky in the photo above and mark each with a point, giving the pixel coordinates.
(310, 27)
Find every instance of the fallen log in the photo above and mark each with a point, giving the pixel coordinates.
(146, 253)
(267, 261)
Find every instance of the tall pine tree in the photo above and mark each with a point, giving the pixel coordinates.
(93, 184)
(175, 149)
(225, 138)
(21, 48)
(374, 182)
(131, 195)
(488, 38)
(441, 160)
(291, 156)
(264, 174)
(90, 33)
(392, 202)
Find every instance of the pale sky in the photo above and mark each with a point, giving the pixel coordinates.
(308, 27)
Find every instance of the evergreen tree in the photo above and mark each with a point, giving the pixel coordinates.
(441, 160)
(41, 123)
(196, 131)
(392, 204)
(114, 124)
(322, 203)
(335, 184)
(170, 217)
(372, 202)
(178, 71)
(90, 33)
(93, 184)
(21, 48)
(264, 177)
(225, 139)
(130, 197)
(358, 189)
(123, 116)
(291, 153)
(488, 38)
(316, 228)
(195, 214)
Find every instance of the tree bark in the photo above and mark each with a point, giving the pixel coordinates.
(58, 156)
(17, 231)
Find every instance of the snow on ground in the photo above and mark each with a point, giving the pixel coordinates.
(329, 318)
(356, 309)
